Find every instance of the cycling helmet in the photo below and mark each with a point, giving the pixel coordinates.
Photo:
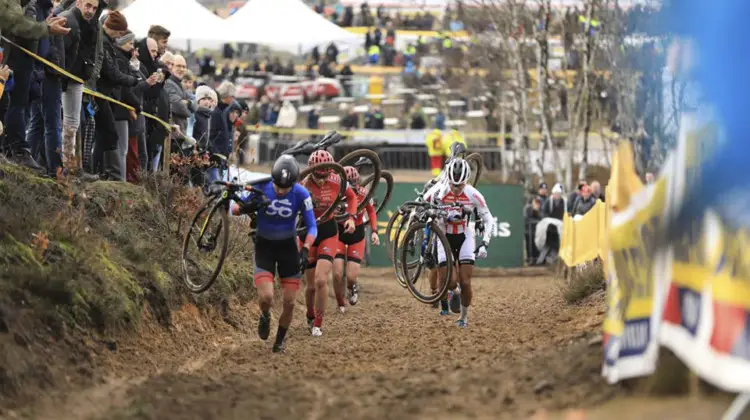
(285, 171)
(319, 156)
(458, 171)
(458, 149)
(352, 175)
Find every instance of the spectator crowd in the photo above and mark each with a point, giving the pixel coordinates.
(53, 124)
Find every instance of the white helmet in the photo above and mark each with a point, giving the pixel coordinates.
(458, 171)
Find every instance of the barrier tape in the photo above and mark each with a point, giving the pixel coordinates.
(396, 134)
(86, 90)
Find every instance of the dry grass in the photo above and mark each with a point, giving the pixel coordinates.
(583, 282)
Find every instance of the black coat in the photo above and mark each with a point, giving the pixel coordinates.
(127, 94)
(79, 44)
(112, 77)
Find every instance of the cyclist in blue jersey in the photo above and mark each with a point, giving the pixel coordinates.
(276, 249)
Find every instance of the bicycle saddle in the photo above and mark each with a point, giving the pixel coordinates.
(304, 147)
(362, 162)
(331, 138)
(458, 149)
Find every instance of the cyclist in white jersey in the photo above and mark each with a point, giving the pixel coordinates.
(459, 233)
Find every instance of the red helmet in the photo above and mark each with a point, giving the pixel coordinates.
(319, 156)
(352, 175)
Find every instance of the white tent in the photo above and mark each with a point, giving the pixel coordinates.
(185, 19)
(287, 25)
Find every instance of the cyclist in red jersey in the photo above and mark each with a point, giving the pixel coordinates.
(324, 188)
(352, 245)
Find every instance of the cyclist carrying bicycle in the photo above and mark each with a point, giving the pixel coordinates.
(460, 235)
(276, 248)
(352, 245)
(323, 187)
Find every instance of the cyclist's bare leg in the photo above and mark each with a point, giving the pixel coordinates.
(310, 292)
(264, 284)
(352, 273)
(290, 286)
(465, 273)
(433, 278)
(322, 271)
(339, 288)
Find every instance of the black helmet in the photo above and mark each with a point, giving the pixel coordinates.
(458, 149)
(285, 171)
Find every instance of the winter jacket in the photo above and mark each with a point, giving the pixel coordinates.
(555, 208)
(201, 127)
(221, 134)
(80, 44)
(127, 93)
(114, 76)
(582, 205)
(179, 101)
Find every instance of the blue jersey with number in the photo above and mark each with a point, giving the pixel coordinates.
(279, 219)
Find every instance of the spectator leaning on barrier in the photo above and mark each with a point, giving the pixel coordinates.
(24, 28)
(574, 196)
(44, 133)
(585, 202)
(556, 205)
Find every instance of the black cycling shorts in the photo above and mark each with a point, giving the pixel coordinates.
(280, 256)
(456, 242)
(327, 229)
(352, 238)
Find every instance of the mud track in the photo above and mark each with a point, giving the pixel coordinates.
(387, 357)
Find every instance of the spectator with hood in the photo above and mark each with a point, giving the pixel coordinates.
(206, 100)
(137, 157)
(155, 100)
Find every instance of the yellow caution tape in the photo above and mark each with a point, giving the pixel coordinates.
(79, 80)
(395, 133)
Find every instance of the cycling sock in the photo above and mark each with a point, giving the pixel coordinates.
(318, 320)
(280, 334)
(266, 314)
(444, 304)
(310, 313)
(464, 313)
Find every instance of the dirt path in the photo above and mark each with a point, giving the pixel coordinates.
(387, 357)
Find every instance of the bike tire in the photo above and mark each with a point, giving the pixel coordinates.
(377, 171)
(388, 177)
(443, 241)
(214, 207)
(401, 271)
(476, 163)
(339, 170)
(392, 221)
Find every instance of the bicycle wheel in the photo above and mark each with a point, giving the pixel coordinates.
(388, 177)
(393, 223)
(208, 230)
(477, 167)
(424, 249)
(339, 170)
(352, 157)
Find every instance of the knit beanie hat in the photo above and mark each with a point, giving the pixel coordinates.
(116, 21)
(128, 37)
(203, 92)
